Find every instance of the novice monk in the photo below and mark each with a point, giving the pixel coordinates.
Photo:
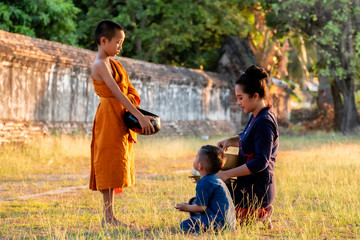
(213, 203)
(112, 161)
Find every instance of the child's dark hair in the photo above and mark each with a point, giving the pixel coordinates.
(253, 80)
(213, 158)
(106, 28)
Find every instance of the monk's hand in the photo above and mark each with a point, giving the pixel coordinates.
(222, 175)
(181, 206)
(146, 126)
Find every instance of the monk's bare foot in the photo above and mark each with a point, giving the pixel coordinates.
(114, 222)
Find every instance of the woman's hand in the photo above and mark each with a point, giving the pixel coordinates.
(230, 142)
(223, 175)
(224, 144)
(146, 125)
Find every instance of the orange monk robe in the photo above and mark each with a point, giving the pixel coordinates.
(112, 159)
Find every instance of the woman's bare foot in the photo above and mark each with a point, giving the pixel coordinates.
(267, 218)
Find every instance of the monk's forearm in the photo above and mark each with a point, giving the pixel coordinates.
(128, 105)
(120, 96)
(102, 72)
(132, 99)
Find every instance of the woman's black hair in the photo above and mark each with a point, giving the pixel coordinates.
(253, 80)
(106, 28)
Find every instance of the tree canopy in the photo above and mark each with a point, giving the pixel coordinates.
(333, 26)
(178, 32)
(53, 20)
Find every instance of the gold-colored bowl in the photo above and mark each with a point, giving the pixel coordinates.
(232, 161)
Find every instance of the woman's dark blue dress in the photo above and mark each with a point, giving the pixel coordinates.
(258, 147)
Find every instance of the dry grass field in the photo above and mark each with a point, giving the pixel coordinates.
(44, 190)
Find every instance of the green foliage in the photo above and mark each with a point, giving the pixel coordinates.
(301, 58)
(357, 99)
(178, 32)
(186, 32)
(332, 26)
(92, 12)
(48, 19)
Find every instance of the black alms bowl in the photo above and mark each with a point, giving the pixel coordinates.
(133, 124)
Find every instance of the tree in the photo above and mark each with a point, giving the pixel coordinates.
(270, 52)
(301, 59)
(47, 19)
(92, 12)
(178, 32)
(333, 26)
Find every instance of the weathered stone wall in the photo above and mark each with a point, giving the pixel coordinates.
(43, 81)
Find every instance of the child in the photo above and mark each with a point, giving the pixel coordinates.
(112, 161)
(213, 202)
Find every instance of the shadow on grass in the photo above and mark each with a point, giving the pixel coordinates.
(140, 232)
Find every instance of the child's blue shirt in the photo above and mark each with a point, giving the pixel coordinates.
(212, 192)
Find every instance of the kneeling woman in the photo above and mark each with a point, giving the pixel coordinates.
(258, 145)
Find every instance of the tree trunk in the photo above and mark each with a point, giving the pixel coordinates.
(338, 105)
(138, 44)
(351, 116)
(346, 114)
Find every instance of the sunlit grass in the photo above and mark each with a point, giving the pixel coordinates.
(318, 190)
(45, 155)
